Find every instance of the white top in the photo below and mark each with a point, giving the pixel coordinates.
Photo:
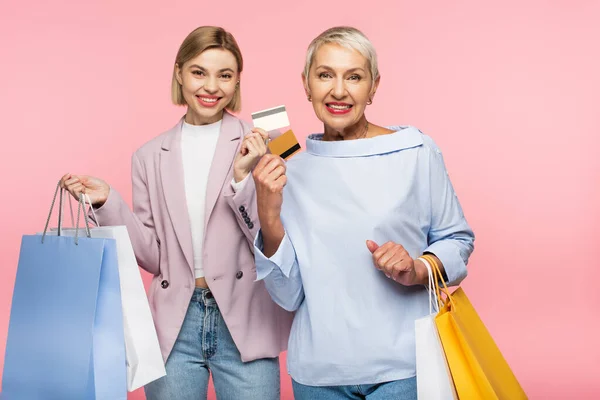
(198, 144)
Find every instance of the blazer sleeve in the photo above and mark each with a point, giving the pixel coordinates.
(139, 223)
(243, 204)
(243, 201)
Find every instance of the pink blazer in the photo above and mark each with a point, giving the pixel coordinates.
(160, 232)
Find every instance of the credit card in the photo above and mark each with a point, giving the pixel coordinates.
(271, 119)
(285, 145)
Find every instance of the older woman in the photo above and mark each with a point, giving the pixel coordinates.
(342, 243)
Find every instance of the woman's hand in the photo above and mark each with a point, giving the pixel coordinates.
(95, 188)
(253, 147)
(269, 179)
(394, 261)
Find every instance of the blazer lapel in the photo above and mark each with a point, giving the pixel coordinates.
(227, 145)
(171, 173)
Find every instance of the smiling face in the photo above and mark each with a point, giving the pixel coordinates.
(208, 84)
(339, 83)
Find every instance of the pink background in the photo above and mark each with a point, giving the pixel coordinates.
(510, 92)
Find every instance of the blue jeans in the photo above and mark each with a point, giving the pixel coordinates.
(404, 389)
(205, 346)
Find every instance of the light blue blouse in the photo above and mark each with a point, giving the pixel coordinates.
(353, 325)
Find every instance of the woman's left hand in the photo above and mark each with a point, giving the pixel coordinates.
(253, 147)
(394, 261)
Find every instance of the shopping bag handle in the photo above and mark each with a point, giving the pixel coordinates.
(434, 302)
(438, 278)
(80, 208)
(60, 212)
(87, 198)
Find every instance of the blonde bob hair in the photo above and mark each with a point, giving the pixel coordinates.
(198, 41)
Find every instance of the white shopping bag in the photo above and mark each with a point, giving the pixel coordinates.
(434, 380)
(144, 358)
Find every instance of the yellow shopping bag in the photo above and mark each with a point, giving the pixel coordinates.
(478, 369)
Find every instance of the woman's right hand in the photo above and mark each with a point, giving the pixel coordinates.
(269, 179)
(95, 188)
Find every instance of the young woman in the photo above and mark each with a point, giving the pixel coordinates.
(193, 223)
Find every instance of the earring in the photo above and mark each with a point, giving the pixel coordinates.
(370, 102)
(308, 98)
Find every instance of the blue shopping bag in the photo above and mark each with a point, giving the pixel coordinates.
(65, 337)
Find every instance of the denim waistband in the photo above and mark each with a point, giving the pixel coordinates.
(205, 296)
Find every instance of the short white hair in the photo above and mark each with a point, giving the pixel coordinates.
(348, 37)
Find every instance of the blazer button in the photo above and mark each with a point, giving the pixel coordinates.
(244, 214)
(242, 208)
(239, 275)
(251, 225)
(247, 220)
(164, 284)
